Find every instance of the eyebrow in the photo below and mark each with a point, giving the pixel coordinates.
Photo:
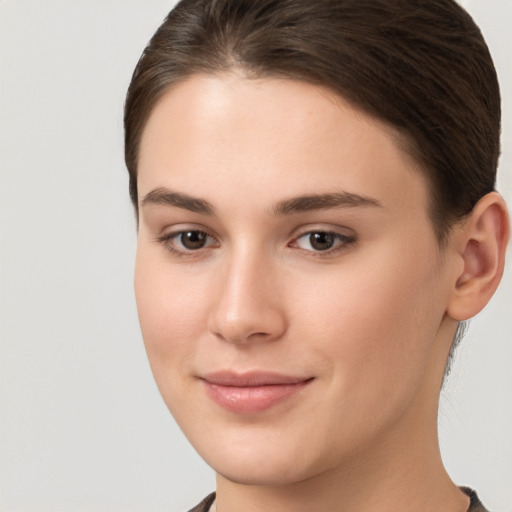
(323, 202)
(166, 197)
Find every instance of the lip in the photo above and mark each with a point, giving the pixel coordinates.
(251, 392)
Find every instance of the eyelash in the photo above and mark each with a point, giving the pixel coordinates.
(166, 241)
(343, 243)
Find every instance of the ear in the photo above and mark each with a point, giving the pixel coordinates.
(481, 243)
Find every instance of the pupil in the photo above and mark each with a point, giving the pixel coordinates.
(321, 241)
(193, 239)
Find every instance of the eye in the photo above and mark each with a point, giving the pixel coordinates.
(187, 241)
(192, 240)
(322, 241)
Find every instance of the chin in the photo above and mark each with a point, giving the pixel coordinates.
(257, 474)
(261, 461)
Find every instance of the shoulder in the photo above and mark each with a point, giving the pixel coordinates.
(205, 505)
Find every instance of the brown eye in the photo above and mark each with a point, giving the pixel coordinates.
(322, 241)
(193, 240)
(188, 243)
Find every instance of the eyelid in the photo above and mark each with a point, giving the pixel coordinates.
(345, 237)
(307, 229)
(347, 240)
(166, 240)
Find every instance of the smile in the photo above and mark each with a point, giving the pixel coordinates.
(251, 392)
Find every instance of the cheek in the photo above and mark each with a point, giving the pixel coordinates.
(171, 313)
(372, 327)
(376, 318)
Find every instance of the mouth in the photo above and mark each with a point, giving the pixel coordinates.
(252, 392)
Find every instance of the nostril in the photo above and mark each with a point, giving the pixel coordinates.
(246, 332)
(259, 335)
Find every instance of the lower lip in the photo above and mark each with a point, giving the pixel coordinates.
(252, 399)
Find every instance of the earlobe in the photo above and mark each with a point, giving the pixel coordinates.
(482, 244)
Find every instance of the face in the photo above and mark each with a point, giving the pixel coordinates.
(290, 289)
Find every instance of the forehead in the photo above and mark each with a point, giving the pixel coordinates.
(224, 134)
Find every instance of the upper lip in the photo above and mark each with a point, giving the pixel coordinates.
(251, 378)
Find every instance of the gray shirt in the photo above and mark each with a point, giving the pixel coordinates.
(474, 506)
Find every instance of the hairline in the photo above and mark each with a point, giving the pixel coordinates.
(404, 140)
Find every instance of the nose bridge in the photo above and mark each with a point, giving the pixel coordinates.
(247, 307)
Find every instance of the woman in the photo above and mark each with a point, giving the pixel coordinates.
(314, 188)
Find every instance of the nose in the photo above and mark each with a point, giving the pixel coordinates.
(248, 308)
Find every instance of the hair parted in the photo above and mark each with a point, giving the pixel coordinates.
(422, 66)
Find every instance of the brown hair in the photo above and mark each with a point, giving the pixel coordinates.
(420, 65)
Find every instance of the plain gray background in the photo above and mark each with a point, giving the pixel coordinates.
(82, 425)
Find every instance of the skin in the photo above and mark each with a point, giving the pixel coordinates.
(370, 321)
